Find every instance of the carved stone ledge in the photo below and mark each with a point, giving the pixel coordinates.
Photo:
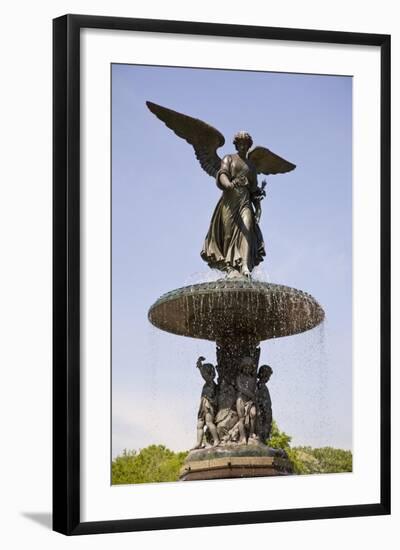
(235, 461)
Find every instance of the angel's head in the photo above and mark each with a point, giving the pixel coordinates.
(242, 142)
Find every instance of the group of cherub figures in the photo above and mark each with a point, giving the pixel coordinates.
(236, 410)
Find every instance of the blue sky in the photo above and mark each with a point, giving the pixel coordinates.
(162, 202)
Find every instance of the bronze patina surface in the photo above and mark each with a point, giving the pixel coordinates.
(234, 418)
(234, 242)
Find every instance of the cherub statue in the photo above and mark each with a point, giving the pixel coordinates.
(226, 417)
(264, 406)
(234, 242)
(208, 404)
(246, 382)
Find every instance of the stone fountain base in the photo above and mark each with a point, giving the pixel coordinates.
(235, 461)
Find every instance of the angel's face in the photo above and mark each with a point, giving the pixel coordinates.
(242, 146)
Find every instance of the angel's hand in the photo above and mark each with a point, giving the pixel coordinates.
(226, 182)
(240, 181)
(259, 194)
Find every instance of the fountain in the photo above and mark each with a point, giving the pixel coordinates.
(236, 312)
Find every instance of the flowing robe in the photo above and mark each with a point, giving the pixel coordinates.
(234, 238)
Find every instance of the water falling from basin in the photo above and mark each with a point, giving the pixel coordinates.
(215, 310)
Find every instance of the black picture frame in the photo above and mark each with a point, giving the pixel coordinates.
(66, 273)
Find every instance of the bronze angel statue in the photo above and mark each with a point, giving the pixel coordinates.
(234, 242)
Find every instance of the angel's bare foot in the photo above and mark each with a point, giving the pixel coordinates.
(246, 272)
(242, 441)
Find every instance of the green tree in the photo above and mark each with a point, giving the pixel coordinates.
(278, 439)
(152, 464)
(325, 460)
(306, 460)
(158, 463)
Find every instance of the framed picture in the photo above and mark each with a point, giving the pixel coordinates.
(221, 346)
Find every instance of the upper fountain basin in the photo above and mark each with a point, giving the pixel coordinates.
(234, 309)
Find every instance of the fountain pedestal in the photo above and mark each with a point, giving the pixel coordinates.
(237, 314)
(233, 461)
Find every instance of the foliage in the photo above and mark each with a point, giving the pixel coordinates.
(152, 464)
(278, 439)
(325, 460)
(157, 463)
(306, 460)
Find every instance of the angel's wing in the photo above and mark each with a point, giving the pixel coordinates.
(267, 162)
(204, 138)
